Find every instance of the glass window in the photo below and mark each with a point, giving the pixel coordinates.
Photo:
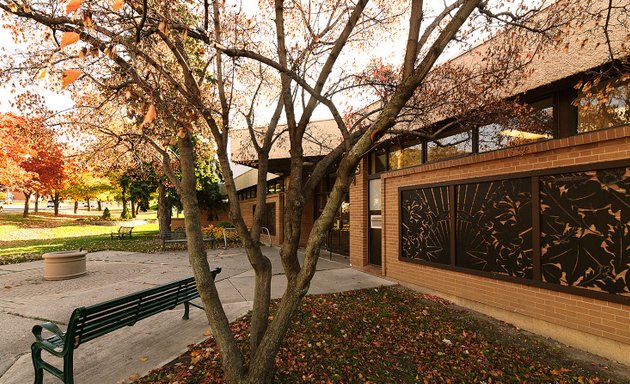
(606, 107)
(378, 161)
(374, 187)
(455, 145)
(526, 124)
(405, 157)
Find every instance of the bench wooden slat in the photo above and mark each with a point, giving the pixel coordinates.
(88, 323)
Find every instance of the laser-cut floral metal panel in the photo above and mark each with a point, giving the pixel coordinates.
(425, 230)
(585, 229)
(494, 227)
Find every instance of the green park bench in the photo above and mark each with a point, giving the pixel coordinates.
(123, 230)
(87, 323)
(170, 237)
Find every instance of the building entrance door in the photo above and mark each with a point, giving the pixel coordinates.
(374, 222)
(338, 240)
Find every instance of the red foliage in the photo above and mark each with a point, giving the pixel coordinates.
(31, 157)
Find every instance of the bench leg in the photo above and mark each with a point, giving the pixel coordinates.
(186, 310)
(36, 356)
(68, 371)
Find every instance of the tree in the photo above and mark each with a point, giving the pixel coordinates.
(181, 69)
(13, 150)
(208, 176)
(86, 184)
(33, 158)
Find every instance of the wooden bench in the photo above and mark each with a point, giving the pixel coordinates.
(171, 237)
(87, 323)
(122, 231)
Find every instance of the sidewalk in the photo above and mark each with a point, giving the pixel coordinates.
(26, 299)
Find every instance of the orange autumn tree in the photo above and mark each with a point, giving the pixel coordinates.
(33, 158)
(13, 151)
(177, 72)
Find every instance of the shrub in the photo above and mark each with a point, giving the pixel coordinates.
(224, 224)
(125, 214)
(216, 232)
(107, 215)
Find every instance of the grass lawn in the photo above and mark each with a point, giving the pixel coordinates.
(395, 335)
(27, 239)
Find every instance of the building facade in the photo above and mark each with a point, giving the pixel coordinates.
(523, 215)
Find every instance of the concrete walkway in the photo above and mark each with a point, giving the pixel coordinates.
(26, 299)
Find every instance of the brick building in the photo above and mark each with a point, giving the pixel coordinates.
(528, 224)
(322, 137)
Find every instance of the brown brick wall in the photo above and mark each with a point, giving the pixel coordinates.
(596, 317)
(247, 210)
(358, 217)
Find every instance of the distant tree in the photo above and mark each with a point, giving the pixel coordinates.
(14, 149)
(32, 156)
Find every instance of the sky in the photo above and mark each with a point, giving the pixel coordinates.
(54, 100)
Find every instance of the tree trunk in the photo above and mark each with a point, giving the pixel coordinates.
(99, 206)
(26, 203)
(56, 202)
(36, 208)
(76, 206)
(232, 358)
(164, 212)
(124, 202)
(88, 204)
(133, 209)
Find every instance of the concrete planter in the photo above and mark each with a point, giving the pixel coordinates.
(64, 265)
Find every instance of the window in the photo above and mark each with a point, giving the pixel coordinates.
(405, 157)
(378, 161)
(275, 186)
(451, 146)
(605, 107)
(269, 218)
(527, 124)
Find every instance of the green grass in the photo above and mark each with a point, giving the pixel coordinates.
(27, 239)
(394, 335)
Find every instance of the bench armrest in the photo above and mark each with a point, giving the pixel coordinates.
(55, 349)
(50, 327)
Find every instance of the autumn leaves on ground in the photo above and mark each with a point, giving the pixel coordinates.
(394, 335)
(387, 335)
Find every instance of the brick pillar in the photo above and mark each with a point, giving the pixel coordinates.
(358, 217)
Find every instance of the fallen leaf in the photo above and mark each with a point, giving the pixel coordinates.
(69, 76)
(144, 358)
(117, 5)
(207, 332)
(134, 377)
(42, 74)
(73, 5)
(162, 26)
(150, 116)
(69, 38)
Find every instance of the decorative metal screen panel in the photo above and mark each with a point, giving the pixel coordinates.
(426, 225)
(494, 227)
(585, 229)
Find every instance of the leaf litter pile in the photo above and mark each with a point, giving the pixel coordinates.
(394, 335)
